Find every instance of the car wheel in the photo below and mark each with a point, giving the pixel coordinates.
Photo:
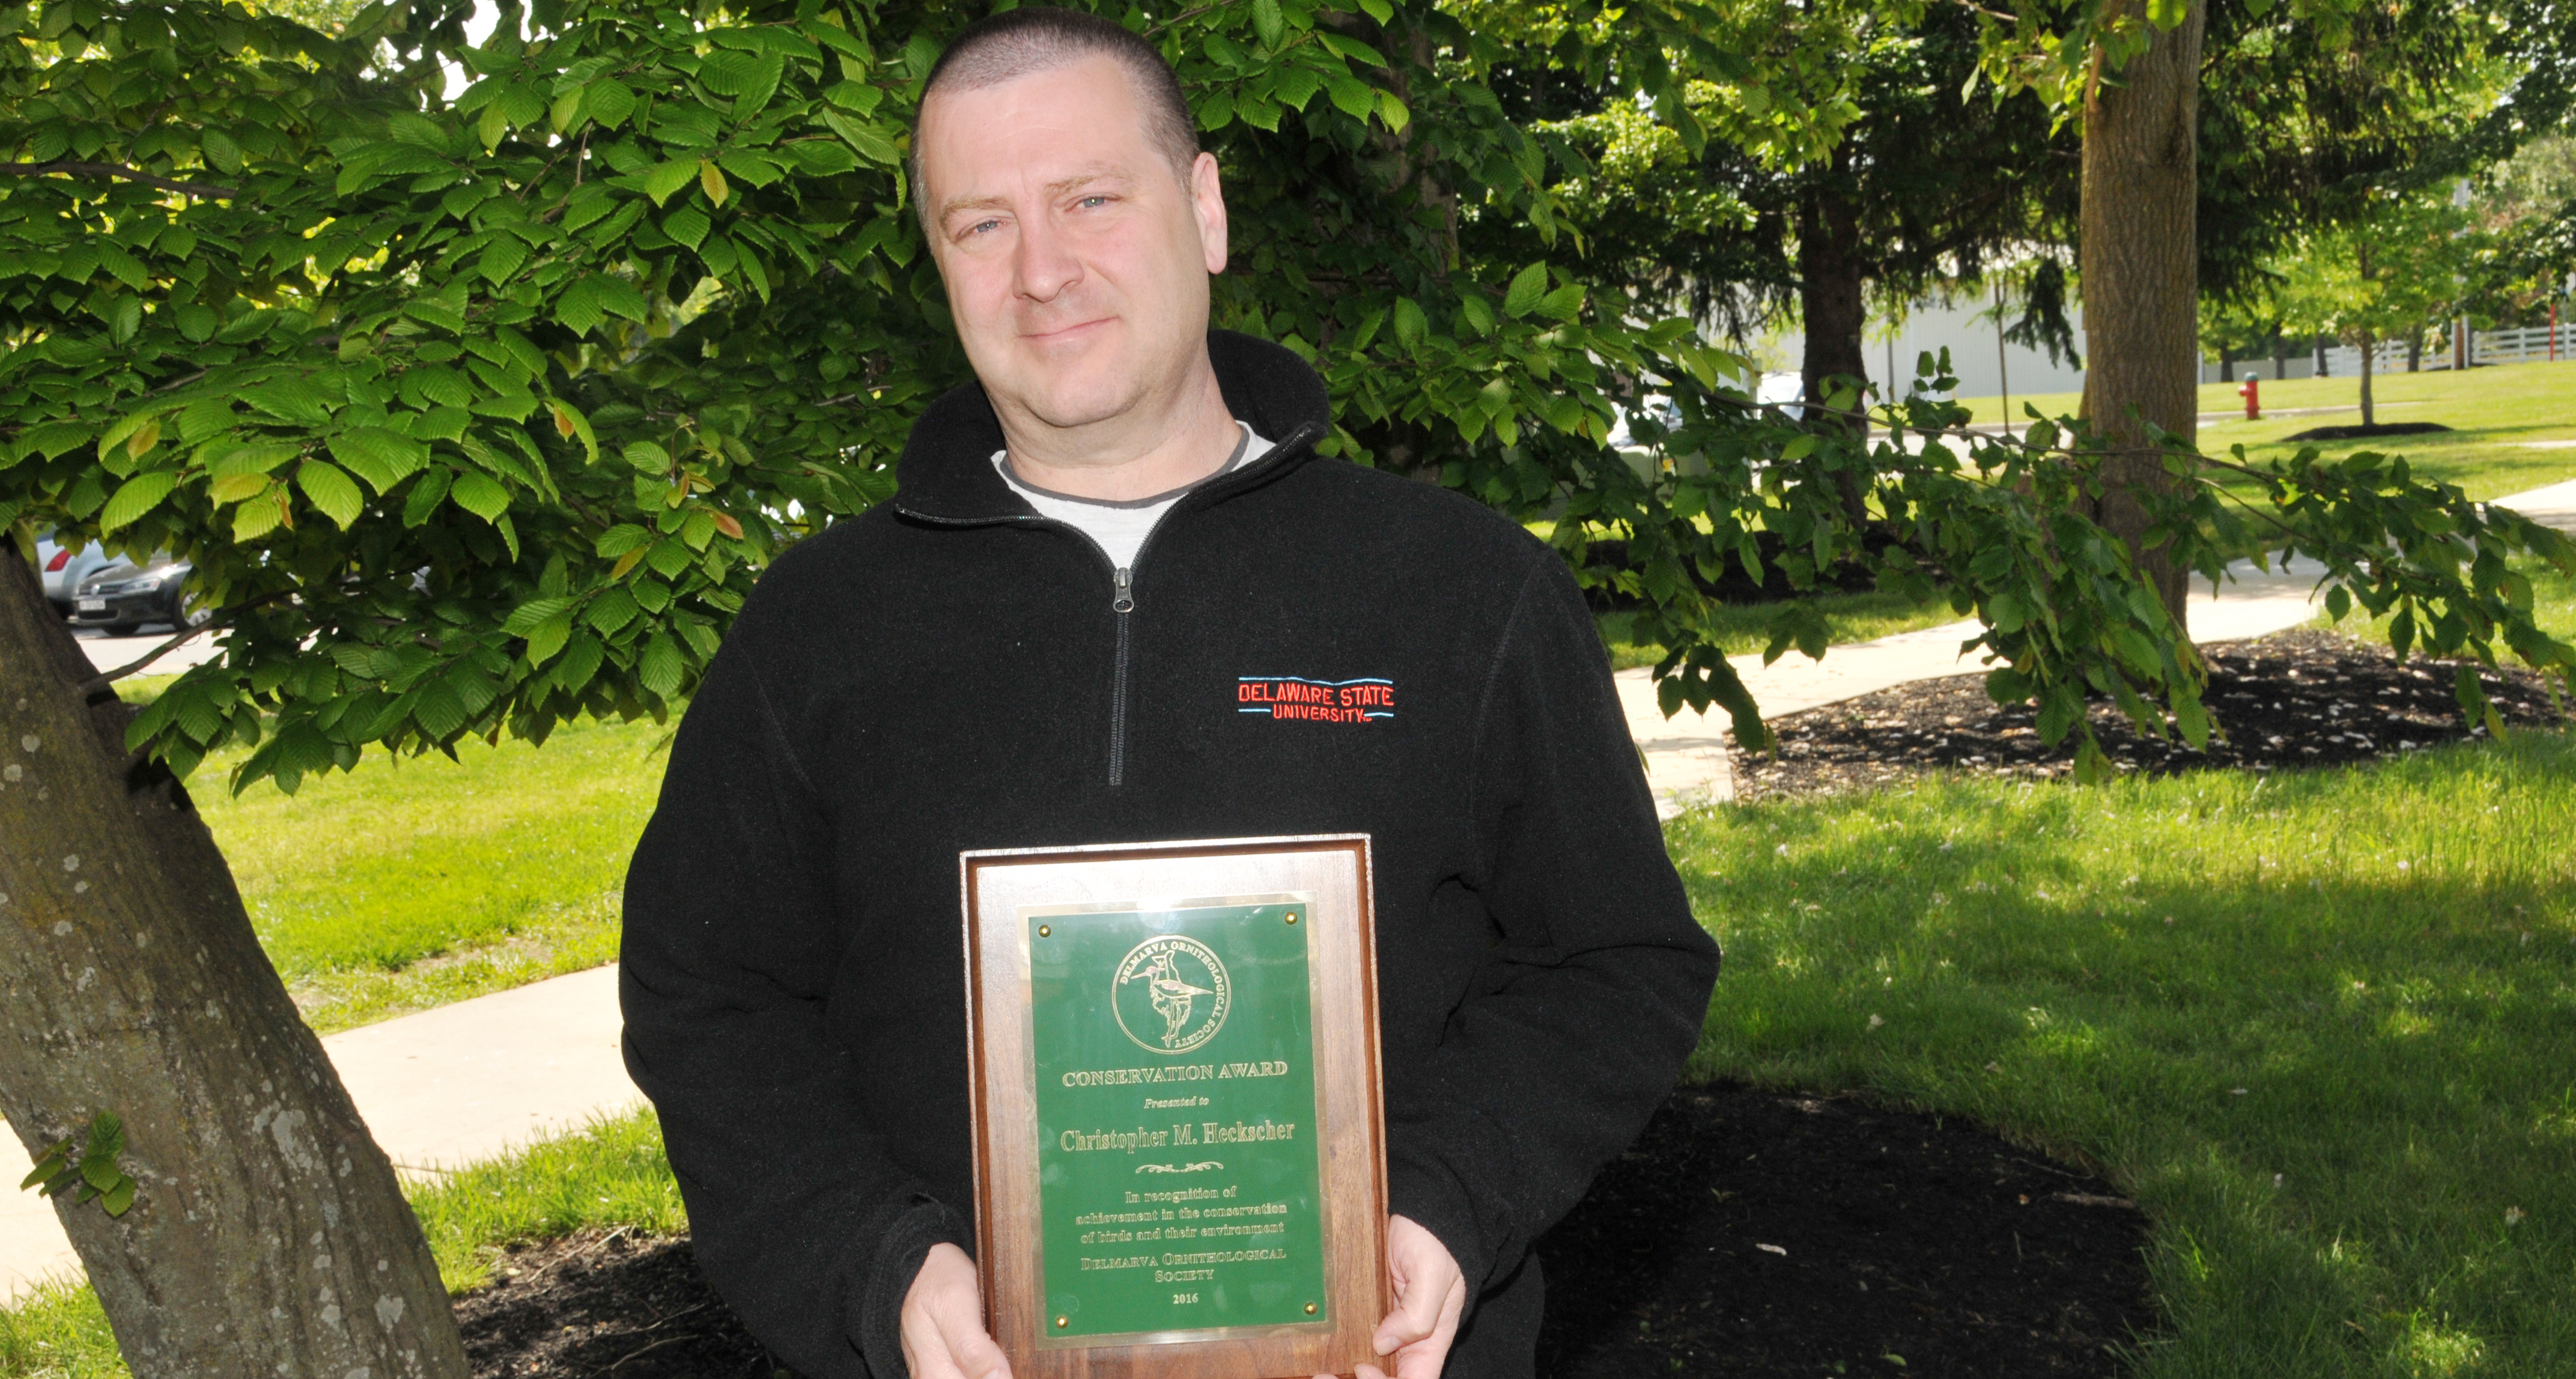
(190, 611)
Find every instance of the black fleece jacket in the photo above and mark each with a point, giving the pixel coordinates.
(951, 671)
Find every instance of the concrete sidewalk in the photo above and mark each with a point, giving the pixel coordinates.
(1686, 758)
(438, 1090)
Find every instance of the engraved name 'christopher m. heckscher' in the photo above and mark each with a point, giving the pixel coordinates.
(1131, 1202)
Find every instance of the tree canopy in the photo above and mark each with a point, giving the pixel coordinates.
(477, 414)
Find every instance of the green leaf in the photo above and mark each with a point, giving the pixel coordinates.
(578, 307)
(526, 618)
(1269, 22)
(253, 520)
(822, 159)
(46, 1167)
(869, 144)
(687, 225)
(608, 101)
(1411, 327)
(660, 666)
(135, 497)
(1352, 96)
(669, 177)
(619, 297)
(297, 400)
(548, 637)
(118, 1198)
(1528, 287)
(1391, 111)
(332, 491)
(502, 258)
(426, 495)
(1564, 304)
(221, 152)
(482, 495)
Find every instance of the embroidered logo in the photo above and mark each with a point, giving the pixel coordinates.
(1364, 700)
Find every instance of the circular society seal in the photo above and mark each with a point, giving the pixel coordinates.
(1171, 994)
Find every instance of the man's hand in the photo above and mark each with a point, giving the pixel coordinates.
(943, 1321)
(1430, 1296)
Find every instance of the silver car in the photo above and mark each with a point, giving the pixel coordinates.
(123, 597)
(64, 567)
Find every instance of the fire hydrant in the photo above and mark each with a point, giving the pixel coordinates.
(2252, 392)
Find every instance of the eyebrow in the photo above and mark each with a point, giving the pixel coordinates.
(1060, 187)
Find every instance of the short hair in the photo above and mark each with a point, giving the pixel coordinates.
(1019, 43)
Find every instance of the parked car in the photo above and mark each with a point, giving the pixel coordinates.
(123, 597)
(64, 567)
(1784, 390)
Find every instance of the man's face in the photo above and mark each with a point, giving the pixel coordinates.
(1075, 258)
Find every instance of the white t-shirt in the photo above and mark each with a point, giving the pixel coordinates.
(1121, 527)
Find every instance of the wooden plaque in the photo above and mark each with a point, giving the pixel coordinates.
(1180, 1166)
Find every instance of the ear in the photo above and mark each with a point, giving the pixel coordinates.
(1207, 203)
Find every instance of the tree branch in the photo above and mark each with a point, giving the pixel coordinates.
(117, 170)
(103, 679)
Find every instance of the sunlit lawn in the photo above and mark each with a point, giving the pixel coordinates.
(2496, 415)
(403, 886)
(2322, 1025)
(613, 1174)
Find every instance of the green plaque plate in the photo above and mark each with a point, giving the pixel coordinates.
(1177, 1156)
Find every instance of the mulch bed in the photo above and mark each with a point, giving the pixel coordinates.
(2360, 433)
(1747, 1233)
(2300, 698)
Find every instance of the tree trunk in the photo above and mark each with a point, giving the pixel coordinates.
(1830, 305)
(267, 1234)
(1829, 294)
(2141, 276)
(2322, 370)
(2415, 351)
(2280, 358)
(2367, 416)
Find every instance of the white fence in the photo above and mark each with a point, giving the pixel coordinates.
(2528, 345)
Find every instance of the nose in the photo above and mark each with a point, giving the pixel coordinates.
(1043, 266)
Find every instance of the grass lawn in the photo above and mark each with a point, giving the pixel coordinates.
(2496, 414)
(2322, 1026)
(402, 886)
(2553, 606)
(613, 1174)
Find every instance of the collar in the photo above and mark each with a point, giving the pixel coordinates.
(946, 474)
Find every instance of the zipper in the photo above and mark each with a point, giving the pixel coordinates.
(1122, 603)
(1122, 587)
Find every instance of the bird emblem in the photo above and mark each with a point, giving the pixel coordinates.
(1172, 997)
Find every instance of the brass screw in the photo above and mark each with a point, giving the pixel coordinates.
(1068, 1321)
(1310, 1309)
(1292, 916)
(1043, 931)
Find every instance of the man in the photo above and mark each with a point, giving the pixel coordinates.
(1041, 639)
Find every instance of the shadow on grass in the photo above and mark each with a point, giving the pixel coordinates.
(2320, 1025)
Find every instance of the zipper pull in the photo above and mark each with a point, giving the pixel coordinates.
(1123, 601)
